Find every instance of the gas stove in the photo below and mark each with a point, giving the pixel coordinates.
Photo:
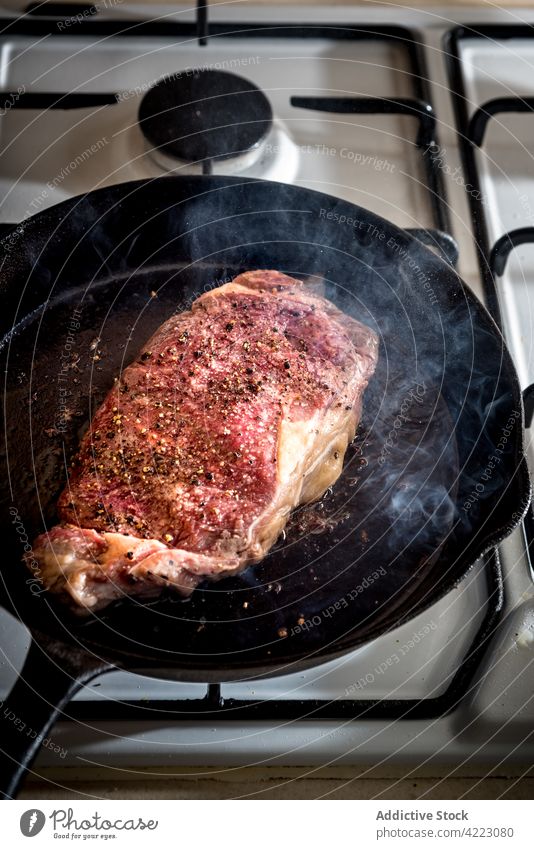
(422, 119)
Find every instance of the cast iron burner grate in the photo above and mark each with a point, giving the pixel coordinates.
(214, 705)
(492, 259)
(418, 107)
(472, 131)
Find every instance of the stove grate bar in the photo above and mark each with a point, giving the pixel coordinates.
(418, 109)
(425, 140)
(471, 133)
(214, 707)
(504, 246)
(202, 22)
(92, 25)
(481, 118)
(452, 49)
(54, 100)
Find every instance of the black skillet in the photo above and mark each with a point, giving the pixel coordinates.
(435, 477)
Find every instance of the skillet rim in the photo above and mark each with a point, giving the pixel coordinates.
(198, 670)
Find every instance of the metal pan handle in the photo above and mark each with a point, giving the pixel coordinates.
(52, 673)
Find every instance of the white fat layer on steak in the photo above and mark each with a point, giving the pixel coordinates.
(310, 460)
(94, 579)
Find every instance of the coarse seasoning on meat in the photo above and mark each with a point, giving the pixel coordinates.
(234, 413)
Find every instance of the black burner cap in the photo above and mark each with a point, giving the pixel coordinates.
(202, 115)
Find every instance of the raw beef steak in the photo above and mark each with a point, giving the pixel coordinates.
(235, 412)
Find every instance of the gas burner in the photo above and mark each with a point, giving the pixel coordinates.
(201, 117)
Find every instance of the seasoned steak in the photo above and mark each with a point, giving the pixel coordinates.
(234, 412)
